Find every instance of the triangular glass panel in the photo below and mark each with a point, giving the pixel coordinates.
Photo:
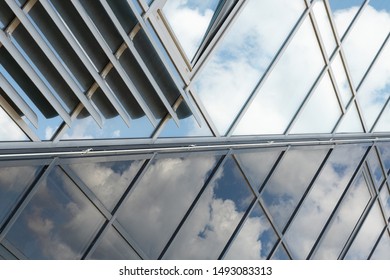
(9, 130)
(255, 239)
(344, 12)
(341, 80)
(291, 79)
(187, 126)
(190, 21)
(321, 112)
(256, 165)
(350, 122)
(109, 180)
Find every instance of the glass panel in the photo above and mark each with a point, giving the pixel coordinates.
(288, 183)
(114, 247)
(384, 151)
(322, 199)
(385, 197)
(280, 254)
(9, 131)
(344, 12)
(350, 122)
(367, 235)
(375, 89)
(188, 125)
(181, 16)
(108, 180)
(13, 182)
(382, 251)
(322, 111)
(257, 164)
(341, 80)
(375, 168)
(162, 197)
(58, 223)
(324, 27)
(255, 240)
(215, 217)
(383, 124)
(292, 78)
(344, 222)
(365, 39)
(5, 254)
(243, 56)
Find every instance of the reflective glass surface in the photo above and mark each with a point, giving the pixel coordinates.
(375, 168)
(375, 90)
(215, 217)
(345, 220)
(109, 180)
(159, 201)
(289, 181)
(242, 57)
(255, 240)
(257, 165)
(182, 14)
(344, 12)
(367, 235)
(382, 251)
(13, 183)
(341, 79)
(58, 223)
(385, 199)
(280, 254)
(365, 40)
(322, 199)
(384, 151)
(321, 112)
(113, 247)
(291, 80)
(351, 121)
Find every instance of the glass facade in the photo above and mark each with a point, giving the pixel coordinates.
(238, 129)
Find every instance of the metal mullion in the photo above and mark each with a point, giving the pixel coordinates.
(164, 59)
(86, 61)
(54, 60)
(140, 61)
(19, 101)
(155, 5)
(267, 73)
(27, 68)
(15, 22)
(22, 204)
(190, 209)
(18, 120)
(114, 60)
(134, 182)
(204, 113)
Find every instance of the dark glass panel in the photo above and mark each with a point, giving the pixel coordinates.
(215, 217)
(13, 183)
(108, 180)
(289, 182)
(160, 200)
(345, 220)
(58, 223)
(255, 239)
(323, 198)
(114, 247)
(367, 235)
(257, 164)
